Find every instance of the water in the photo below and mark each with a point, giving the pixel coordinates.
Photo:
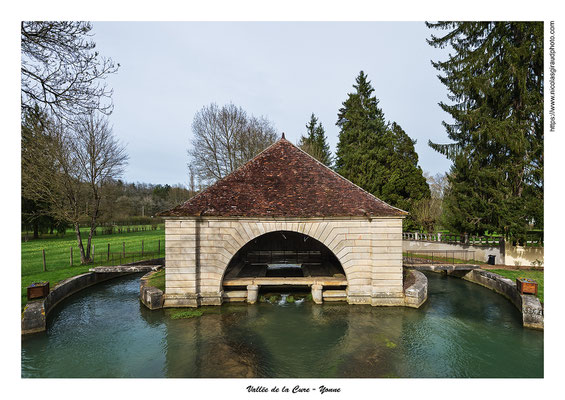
(463, 330)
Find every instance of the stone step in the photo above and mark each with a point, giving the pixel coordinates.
(235, 295)
(334, 295)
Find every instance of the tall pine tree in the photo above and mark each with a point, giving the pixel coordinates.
(315, 142)
(375, 155)
(495, 81)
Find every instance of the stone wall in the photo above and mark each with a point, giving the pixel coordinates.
(481, 252)
(506, 253)
(416, 291)
(526, 256)
(34, 316)
(150, 296)
(529, 305)
(198, 251)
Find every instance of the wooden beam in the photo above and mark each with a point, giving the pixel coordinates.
(294, 281)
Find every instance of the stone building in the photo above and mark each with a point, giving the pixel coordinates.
(283, 219)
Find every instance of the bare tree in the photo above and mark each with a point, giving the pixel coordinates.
(257, 135)
(428, 211)
(224, 139)
(60, 71)
(438, 184)
(82, 157)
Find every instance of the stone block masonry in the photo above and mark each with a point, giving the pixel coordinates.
(199, 249)
(34, 316)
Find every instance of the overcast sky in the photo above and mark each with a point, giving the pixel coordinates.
(284, 71)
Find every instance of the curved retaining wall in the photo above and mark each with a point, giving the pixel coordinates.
(529, 305)
(34, 316)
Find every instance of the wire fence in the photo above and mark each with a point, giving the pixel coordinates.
(100, 230)
(112, 253)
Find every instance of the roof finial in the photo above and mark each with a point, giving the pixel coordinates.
(283, 135)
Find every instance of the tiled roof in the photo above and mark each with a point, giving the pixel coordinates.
(284, 181)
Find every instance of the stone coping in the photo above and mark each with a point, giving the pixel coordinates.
(34, 316)
(529, 305)
(442, 267)
(126, 268)
(150, 296)
(416, 293)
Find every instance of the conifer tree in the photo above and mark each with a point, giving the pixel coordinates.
(495, 81)
(315, 142)
(375, 155)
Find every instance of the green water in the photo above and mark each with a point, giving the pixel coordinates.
(463, 330)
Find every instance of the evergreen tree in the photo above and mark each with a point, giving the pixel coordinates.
(315, 142)
(375, 155)
(495, 80)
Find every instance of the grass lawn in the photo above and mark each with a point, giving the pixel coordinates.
(513, 274)
(57, 255)
(158, 280)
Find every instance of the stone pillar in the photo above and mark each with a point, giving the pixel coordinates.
(252, 293)
(317, 294)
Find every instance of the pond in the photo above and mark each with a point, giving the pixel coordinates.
(463, 330)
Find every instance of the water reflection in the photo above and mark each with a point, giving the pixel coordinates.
(462, 331)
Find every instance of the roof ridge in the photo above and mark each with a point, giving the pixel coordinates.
(347, 180)
(281, 181)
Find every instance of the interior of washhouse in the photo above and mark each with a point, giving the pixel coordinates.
(283, 254)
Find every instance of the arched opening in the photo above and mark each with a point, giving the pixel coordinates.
(283, 262)
(284, 254)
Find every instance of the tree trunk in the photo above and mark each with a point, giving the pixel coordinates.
(89, 240)
(83, 258)
(35, 230)
(93, 223)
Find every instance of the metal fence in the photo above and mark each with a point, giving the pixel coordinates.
(114, 253)
(438, 257)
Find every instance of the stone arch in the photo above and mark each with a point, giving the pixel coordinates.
(345, 239)
(293, 237)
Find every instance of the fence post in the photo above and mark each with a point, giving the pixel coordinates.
(124, 249)
(159, 248)
(71, 256)
(44, 264)
(93, 252)
(108, 252)
(142, 248)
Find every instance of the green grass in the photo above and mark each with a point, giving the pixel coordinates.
(57, 255)
(513, 274)
(158, 280)
(186, 314)
(70, 233)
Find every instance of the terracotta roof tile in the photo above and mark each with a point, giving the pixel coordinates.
(284, 181)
